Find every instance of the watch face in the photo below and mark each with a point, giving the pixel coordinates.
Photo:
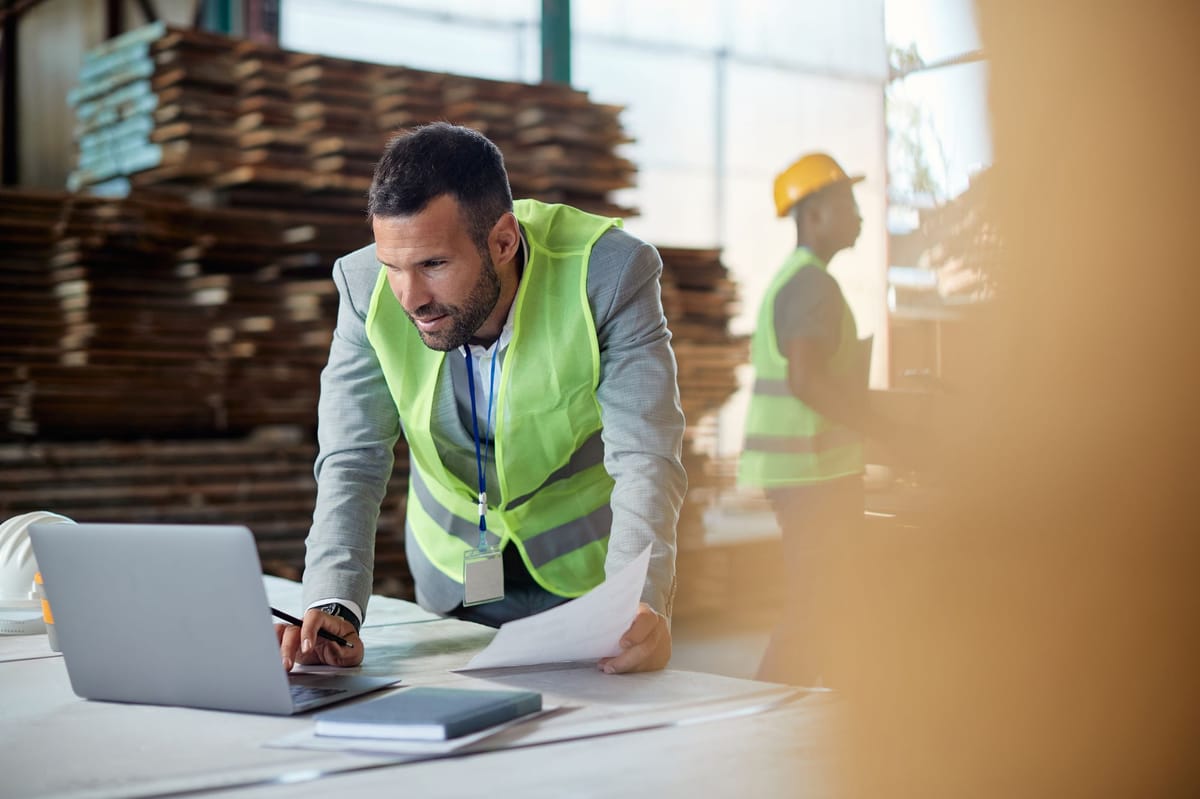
(331, 609)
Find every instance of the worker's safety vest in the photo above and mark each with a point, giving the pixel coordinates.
(548, 454)
(787, 442)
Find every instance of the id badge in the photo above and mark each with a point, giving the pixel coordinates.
(483, 576)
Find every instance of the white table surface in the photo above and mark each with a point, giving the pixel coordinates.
(669, 733)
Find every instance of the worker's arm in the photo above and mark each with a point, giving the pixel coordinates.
(808, 326)
(357, 430)
(842, 399)
(643, 433)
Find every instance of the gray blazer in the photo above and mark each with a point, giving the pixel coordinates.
(639, 400)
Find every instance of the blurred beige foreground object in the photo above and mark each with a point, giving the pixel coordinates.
(1040, 638)
(20, 607)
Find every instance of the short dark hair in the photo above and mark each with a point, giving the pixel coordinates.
(424, 163)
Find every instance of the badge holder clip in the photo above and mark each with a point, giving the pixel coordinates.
(483, 570)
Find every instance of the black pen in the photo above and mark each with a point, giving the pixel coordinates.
(328, 636)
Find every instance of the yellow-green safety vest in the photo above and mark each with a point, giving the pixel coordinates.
(554, 489)
(787, 442)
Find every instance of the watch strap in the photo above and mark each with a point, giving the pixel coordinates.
(341, 611)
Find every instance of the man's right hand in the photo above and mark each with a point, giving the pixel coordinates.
(301, 644)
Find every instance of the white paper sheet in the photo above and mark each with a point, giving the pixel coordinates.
(588, 628)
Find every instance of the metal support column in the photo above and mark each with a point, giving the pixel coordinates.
(556, 41)
(219, 16)
(9, 174)
(114, 18)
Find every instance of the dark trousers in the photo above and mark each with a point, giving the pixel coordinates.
(817, 521)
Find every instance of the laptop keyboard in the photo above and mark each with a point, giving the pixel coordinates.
(304, 694)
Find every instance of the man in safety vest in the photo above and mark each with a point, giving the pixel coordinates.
(808, 410)
(522, 351)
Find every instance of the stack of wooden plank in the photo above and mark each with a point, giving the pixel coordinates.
(150, 318)
(114, 113)
(157, 103)
(699, 299)
(406, 98)
(127, 320)
(298, 112)
(566, 153)
(36, 318)
(196, 88)
(270, 158)
(333, 101)
(558, 145)
(227, 122)
(264, 481)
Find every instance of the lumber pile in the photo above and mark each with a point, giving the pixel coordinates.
(225, 122)
(264, 481)
(152, 102)
(137, 318)
(166, 360)
(558, 145)
(699, 299)
(38, 318)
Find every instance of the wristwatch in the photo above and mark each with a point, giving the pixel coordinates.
(342, 612)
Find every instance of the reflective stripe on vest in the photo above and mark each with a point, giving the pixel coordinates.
(787, 442)
(542, 547)
(553, 495)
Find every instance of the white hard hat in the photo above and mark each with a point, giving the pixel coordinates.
(17, 565)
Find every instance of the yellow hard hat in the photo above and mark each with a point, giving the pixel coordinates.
(807, 176)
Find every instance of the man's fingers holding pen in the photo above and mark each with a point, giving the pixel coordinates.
(288, 637)
(314, 649)
(302, 644)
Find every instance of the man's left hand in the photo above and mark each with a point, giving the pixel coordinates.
(646, 644)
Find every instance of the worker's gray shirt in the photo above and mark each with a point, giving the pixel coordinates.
(809, 305)
(639, 404)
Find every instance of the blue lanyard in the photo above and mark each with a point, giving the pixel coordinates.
(479, 450)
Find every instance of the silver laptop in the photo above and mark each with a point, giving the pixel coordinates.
(173, 615)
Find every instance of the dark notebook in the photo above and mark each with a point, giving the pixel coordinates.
(427, 714)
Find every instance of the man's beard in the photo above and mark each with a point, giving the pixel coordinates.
(464, 319)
